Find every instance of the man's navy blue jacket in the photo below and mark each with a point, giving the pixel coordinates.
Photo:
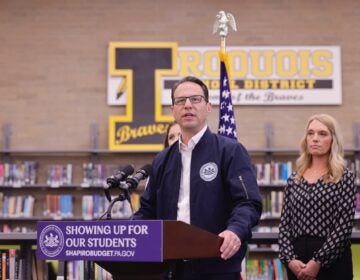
(223, 192)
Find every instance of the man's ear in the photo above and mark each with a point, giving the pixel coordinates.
(209, 107)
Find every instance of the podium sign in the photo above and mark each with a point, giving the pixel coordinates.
(104, 240)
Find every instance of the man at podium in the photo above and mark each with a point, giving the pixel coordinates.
(205, 180)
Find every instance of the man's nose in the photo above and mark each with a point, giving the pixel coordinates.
(187, 102)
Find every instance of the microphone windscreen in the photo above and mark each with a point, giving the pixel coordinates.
(147, 168)
(128, 170)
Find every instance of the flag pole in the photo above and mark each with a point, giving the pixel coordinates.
(227, 125)
(223, 44)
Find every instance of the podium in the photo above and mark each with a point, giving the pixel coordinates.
(135, 249)
(180, 241)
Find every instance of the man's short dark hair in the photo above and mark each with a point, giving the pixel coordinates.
(192, 80)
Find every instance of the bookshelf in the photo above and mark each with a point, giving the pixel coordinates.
(78, 188)
(25, 199)
(28, 267)
(25, 243)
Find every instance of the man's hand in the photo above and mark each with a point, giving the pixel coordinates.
(230, 245)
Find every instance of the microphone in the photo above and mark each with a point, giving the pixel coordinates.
(133, 181)
(114, 180)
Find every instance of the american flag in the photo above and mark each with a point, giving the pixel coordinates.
(227, 125)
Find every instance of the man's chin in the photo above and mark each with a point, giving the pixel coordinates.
(189, 126)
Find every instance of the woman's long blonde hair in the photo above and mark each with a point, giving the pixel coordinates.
(336, 163)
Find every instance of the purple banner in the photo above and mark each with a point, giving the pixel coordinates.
(120, 240)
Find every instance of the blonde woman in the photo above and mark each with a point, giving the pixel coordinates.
(319, 206)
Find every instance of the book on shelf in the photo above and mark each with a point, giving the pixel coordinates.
(266, 228)
(18, 174)
(274, 247)
(4, 270)
(279, 270)
(101, 274)
(96, 173)
(357, 207)
(75, 271)
(272, 204)
(99, 205)
(275, 173)
(87, 207)
(6, 228)
(58, 206)
(13, 264)
(59, 175)
(1, 204)
(354, 166)
(263, 269)
(39, 268)
(10, 264)
(17, 206)
(93, 206)
(2, 176)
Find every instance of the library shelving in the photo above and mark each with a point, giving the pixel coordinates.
(57, 184)
(75, 179)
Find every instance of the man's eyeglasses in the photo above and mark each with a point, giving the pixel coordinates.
(194, 99)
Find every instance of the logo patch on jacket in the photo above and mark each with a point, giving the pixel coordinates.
(208, 171)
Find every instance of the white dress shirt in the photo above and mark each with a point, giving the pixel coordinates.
(183, 212)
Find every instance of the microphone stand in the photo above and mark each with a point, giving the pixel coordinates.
(125, 195)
